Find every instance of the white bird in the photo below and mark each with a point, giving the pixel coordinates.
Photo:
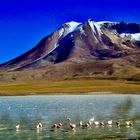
(101, 123)
(80, 123)
(86, 125)
(92, 119)
(39, 126)
(96, 123)
(17, 127)
(129, 123)
(109, 122)
(54, 125)
(89, 123)
(118, 123)
(72, 126)
(69, 119)
(57, 125)
(60, 123)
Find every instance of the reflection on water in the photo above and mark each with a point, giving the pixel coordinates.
(29, 111)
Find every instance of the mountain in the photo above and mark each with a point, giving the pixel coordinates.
(93, 49)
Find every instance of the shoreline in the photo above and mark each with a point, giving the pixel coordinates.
(75, 94)
(70, 87)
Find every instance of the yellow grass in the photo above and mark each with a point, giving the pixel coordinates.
(69, 87)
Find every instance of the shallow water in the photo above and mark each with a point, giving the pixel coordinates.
(28, 111)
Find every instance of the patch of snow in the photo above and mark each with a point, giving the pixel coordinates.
(72, 25)
(102, 22)
(82, 31)
(61, 32)
(55, 46)
(131, 36)
(94, 25)
(72, 35)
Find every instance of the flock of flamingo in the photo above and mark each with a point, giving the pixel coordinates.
(88, 124)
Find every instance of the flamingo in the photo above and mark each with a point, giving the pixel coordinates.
(87, 125)
(39, 126)
(96, 123)
(92, 119)
(101, 123)
(60, 124)
(129, 123)
(118, 123)
(109, 122)
(54, 125)
(80, 123)
(57, 125)
(69, 119)
(17, 127)
(72, 126)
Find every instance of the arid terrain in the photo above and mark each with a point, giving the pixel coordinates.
(78, 58)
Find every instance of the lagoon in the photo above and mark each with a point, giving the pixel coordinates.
(28, 111)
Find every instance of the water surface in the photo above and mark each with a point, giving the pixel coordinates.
(28, 111)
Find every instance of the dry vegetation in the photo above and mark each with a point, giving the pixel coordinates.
(69, 87)
(75, 78)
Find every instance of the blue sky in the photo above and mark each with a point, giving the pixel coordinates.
(23, 23)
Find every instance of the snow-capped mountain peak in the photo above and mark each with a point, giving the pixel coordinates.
(72, 25)
(104, 22)
(75, 41)
(95, 26)
(129, 36)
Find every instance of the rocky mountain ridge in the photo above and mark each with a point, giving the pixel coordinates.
(105, 48)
